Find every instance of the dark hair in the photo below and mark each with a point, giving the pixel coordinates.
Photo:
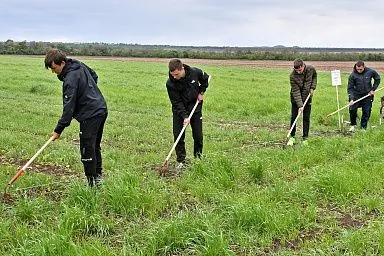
(56, 56)
(297, 63)
(175, 64)
(360, 63)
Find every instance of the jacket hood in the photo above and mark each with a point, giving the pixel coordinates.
(69, 66)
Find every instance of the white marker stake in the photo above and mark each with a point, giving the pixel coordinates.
(336, 81)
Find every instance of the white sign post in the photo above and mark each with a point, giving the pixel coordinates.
(336, 81)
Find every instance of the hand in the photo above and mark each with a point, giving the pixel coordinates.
(372, 93)
(200, 97)
(186, 121)
(55, 136)
(301, 109)
(311, 91)
(351, 103)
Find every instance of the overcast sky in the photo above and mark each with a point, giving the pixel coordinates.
(325, 23)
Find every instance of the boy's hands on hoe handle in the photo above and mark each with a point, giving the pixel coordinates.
(310, 93)
(55, 135)
(371, 93)
(200, 97)
(186, 121)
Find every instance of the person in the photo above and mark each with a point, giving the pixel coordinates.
(186, 85)
(83, 101)
(360, 85)
(303, 79)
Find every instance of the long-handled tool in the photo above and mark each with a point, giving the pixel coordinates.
(298, 115)
(22, 170)
(352, 103)
(165, 164)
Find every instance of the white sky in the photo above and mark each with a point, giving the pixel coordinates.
(326, 23)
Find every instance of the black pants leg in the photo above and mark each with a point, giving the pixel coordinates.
(180, 146)
(366, 107)
(307, 118)
(99, 161)
(353, 113)
(91, 131)
(197, 133)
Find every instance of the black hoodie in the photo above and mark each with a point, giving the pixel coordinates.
(82, 98)
(183, 92)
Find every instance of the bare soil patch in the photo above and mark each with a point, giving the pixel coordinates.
(54, 190)
(167, 172)
(345, 221)
(54, 170)
(345, 66)
(247, 126)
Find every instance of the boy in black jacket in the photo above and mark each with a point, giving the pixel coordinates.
(185, 86)
(83, 101)
(360, 85)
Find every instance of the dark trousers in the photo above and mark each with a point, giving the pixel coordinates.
(366, 107)
(91, 132)
(197, 134)
(306, 117)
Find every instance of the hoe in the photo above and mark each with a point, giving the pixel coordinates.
(165, 164)
(348, 105)
(22, 170)
(298, 115)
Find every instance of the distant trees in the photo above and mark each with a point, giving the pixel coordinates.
(165, 51)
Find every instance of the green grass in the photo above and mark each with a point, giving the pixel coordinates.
(250, 195)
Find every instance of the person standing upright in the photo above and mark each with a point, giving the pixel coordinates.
(82, 100)
(303, 79)
(360, 85)
(186, 85)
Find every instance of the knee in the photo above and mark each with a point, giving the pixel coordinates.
(87, 150)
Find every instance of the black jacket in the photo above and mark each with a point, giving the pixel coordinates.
(183, 93)
(361, 84)
(82, 98)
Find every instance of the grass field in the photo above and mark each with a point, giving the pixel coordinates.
(249, 195)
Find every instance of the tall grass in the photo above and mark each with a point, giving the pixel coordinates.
(249, 195)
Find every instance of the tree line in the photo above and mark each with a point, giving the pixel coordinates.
(11, 47)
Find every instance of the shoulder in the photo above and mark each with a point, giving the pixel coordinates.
(72, 76)
(372, 71)
(194, 70)
(169, 83)
(311, 68)
(354, 74)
